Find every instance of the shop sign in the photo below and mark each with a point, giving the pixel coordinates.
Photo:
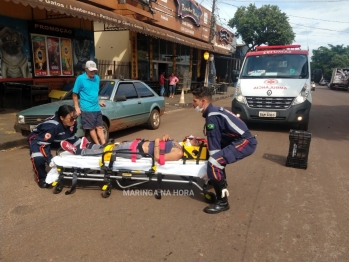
(188, 8)
(113, 28)
(53, 15)
(224, 35)
(45, 29)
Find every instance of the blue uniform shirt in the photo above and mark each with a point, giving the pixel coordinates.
(50, 131)
(223, 128)
(88, 90)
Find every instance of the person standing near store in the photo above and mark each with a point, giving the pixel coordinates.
(162, 83)
(229, 140)
(173, 80)
(88, 106)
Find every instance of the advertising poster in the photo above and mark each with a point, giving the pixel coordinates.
(14, 48)
(53, 56)
(82, 53)
(67, 57)
(39, 55)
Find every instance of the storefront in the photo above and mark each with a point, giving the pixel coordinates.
(57, 37)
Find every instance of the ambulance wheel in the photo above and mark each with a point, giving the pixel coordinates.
(106, 193)
(210, 197)
(58, 188)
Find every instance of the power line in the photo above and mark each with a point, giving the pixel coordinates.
(319, 19)
(291, 2)
(298, 16)
(318, 28)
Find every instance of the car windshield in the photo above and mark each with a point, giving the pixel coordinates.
(106, 89)
(280, 66)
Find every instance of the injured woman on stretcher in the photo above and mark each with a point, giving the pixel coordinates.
(132, 163)
(184, 159)
(170, 150)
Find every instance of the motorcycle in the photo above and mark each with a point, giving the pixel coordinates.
(312, 86)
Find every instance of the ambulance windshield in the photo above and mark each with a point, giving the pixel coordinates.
(279, 65)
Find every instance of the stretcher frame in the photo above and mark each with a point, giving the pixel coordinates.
(107, 174)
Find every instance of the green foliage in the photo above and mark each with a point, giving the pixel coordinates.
(266, 25)
(329, 58)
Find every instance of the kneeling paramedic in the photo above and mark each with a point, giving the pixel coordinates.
(229, 140)
(61, 126)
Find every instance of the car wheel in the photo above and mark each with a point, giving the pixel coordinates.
(154, 120)
(105, 131)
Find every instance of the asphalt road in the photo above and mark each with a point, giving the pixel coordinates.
(277, 213)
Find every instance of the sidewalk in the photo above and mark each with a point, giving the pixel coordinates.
(10, 139)
(174, 103)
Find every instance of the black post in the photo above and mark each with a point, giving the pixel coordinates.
(230, 68)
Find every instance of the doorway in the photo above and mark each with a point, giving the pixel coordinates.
(158, 69)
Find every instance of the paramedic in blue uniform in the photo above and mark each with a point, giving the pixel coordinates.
(229, 140)
(61, 126)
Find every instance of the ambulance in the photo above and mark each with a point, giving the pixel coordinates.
(274, 86)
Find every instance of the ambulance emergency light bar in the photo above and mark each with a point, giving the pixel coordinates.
(276, 47)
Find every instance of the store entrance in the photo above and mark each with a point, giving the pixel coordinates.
(163, 67)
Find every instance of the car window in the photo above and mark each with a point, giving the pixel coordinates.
(127, 89)
(143, 90)
(106, 88)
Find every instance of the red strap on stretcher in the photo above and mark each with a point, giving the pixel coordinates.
(133, 148)
(162, 145)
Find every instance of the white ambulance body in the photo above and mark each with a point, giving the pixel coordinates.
(274, 86)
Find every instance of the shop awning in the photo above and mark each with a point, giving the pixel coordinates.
(92, 13)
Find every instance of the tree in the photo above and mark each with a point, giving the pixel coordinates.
(329, 58)
(265, 25)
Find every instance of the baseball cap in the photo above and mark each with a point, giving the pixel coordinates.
(90, 65)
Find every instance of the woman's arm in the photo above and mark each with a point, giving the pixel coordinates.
(157, 149)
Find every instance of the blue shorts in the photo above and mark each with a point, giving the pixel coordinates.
(91, 120)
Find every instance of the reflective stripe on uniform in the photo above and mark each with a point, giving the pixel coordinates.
(43, 143)
(231, 123)
(77, 142)
(215, 163)
(36, 154)
(69, 138)
(52, 122)
(213, 152)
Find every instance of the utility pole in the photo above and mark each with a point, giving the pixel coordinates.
(213, 23)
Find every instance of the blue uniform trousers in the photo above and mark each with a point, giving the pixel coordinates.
(229, 154)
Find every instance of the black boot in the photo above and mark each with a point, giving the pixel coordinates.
(221, 204)
(43, 184)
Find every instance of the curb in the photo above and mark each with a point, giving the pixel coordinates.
(14, 143)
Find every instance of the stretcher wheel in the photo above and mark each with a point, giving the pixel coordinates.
(106, 193)
(158, 195)
(58, 188)
(210, 197)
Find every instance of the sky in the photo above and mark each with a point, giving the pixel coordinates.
(315, 22)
